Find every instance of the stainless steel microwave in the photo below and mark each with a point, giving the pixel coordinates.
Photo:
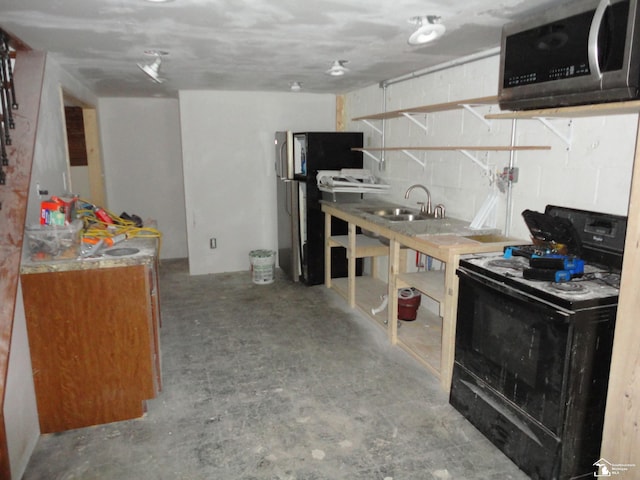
(580, 52)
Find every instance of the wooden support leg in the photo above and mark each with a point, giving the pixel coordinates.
(392, 305)
(327, 250)
(351, 258)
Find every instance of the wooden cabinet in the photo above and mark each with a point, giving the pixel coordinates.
(94, 341)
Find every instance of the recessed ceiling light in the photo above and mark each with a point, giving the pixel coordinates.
(296, 86)
(338, 69)
(429, 29)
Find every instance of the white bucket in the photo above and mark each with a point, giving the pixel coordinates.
(263, 266)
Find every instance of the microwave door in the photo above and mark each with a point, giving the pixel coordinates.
(613, 44)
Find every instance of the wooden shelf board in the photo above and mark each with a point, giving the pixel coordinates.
(598, 109)
(429, 283)
(492, 148)
(438, 107)
(365, 246)
(422, 338)
(368, 295)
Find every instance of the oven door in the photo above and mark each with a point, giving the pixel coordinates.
(516, 344)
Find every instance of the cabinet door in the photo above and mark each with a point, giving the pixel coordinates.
(91, 341)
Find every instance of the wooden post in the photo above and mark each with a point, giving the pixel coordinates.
(621, 433)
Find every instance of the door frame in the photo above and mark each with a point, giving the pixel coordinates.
(92, 142)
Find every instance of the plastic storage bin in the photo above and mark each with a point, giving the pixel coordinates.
(53, 242)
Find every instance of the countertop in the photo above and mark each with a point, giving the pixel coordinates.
(146, 254)
(416, 228)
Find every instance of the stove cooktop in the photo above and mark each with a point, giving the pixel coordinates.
(598, 286)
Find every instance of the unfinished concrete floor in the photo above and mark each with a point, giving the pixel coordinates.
(276, 381)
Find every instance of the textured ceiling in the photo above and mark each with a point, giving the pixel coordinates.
(260, 45)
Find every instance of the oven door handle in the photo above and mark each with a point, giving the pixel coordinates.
(502, 411)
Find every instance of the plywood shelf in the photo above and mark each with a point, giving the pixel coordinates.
(422, 339)
(430, 283)
(365, 246)
(438, 107)
(493, 148)
(599, 109)
(369, 293)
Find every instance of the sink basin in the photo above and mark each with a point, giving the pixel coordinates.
(386, 212)
(397, 214)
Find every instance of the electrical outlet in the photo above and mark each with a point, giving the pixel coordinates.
(213, 243)
(41, 191)
(511, 174)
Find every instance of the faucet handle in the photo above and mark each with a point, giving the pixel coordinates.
(423, 209)
(439, 211)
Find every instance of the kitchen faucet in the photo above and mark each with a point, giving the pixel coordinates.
(423, 209)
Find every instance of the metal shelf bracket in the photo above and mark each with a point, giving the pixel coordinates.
(411, 117)
(372, 156)
(372, 126)
(414, 158)
(567, 139)
(475, 160)
(471, 109)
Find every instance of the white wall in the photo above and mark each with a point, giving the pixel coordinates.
(228, 155)
(51, 165)
(80, 181)
(50, 170)
(143, 165)
(594, 174)
(21, 417)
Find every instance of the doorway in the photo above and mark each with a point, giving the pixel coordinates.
(83, 150)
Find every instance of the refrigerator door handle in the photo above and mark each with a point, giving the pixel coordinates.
(288, 172)
(279, 161)
(287, 197)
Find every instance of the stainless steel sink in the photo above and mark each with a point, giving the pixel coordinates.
(397, 214)
(385, 212)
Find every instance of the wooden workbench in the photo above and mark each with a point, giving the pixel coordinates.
(430, 339)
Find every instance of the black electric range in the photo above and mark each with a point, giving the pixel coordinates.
(598, 285)
(594, 239)
(532, 356)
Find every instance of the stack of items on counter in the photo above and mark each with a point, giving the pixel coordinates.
(555, 253)
(67, 224)
(357, 180)
(57, 236)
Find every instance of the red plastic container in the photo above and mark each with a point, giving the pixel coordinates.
(408, 303)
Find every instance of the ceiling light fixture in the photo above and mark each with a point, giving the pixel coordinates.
(153, 69)
(429, 29)
(338, 69)
(296, 86)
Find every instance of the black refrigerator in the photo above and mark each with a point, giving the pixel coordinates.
(299, 156)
